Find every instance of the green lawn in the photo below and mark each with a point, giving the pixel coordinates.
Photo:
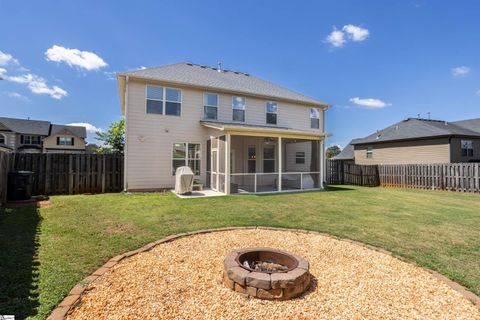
(44, 253)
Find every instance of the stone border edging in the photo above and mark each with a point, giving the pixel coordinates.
(73, 297)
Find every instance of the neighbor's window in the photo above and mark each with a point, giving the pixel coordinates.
(467, 148)
(162, 100)
(271, 112)
(252, 159)
(238, 106)
(186, 154)
(65, 141)
(31, 140)
(2, 139)
(300, 157)
(314, 118)
(269, 158)
(370, 152)
(210, 106)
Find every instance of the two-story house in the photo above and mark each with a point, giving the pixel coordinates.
(238, 133)
(37, 136)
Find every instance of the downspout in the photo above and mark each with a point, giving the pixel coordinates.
(125, 151)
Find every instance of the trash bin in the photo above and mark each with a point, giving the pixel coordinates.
(19, 185)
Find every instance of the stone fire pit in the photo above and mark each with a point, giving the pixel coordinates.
(266, 273)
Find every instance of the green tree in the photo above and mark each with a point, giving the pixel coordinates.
(113, 141)
(333, 151)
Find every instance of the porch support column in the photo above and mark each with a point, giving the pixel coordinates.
(322, 161)
(227, 163)
(280, 158)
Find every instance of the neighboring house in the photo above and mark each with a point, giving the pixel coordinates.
(237, 132)
(415, 141)
(347, 153)
(36, 136)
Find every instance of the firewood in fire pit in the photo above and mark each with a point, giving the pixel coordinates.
(265, 266)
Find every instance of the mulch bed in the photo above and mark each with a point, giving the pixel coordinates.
(182, 279)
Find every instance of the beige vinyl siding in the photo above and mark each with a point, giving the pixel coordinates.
(405, 152)
(150, 136)
(9, 139)
(291, 149)
(456, 150)
(50, 144)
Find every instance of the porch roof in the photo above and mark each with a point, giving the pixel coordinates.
(244, 129)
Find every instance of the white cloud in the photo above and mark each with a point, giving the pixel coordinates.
(6, 58)
(74, 57)
(3, 72)
(90, 127)
(16, 95)
(370, 103)
(38, 85)
(460, 71)
(336, 38)
(356, 33)
(142, 68)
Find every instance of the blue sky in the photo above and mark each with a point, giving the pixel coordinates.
(386, 61)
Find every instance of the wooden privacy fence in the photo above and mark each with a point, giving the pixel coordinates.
(447, 176)
(346, 172)
(71, 173)
(4, 163)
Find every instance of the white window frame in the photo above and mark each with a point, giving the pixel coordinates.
(30, 140)
(207, 105)
(301, 156)
(465, 141)
(163, 100)
(65, 138)
(311, 117)
(4, 139)
(244, 109)
(274, 159)
(369, 152)
(186, 157)
(267, 112)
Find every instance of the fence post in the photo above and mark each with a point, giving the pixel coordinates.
(70, 174)
(103, 173)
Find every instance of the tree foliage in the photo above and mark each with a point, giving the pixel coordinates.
(333, 151)
(113, 141)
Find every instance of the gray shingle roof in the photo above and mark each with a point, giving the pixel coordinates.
(25, 126)
(413, 128)
(76, 130)
(208, 77)
(40, 127)
(347, 153)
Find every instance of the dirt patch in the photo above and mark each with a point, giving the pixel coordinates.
(126, 228)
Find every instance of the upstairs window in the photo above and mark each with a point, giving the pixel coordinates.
(2, 139)
(65, 141)
(210, 106)
(315, 118)
(30, 140)
(165, 101)
(300, 157)
(186, 154)
(238, 106)
(271, 112)
(467, 148)
(369, 152)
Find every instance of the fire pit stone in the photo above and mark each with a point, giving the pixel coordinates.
(266, 273)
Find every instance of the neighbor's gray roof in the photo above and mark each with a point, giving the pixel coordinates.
(413, 128)
(347, 153)
(40, 127)
(209, 77)
(25, 126)
(76, 130)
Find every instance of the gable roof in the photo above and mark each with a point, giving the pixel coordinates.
(40, 127)
(413, 128)
(347, 153)
(214, 78)
(75, 130)
(25, 126)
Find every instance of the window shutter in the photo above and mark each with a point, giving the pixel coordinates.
(58, 141)
(21, 139)
(73, 141)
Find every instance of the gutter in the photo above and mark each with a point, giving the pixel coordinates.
(125, 151)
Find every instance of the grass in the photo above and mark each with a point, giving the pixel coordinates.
(45, 252)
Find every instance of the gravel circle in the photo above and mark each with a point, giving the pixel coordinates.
(182, 280)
